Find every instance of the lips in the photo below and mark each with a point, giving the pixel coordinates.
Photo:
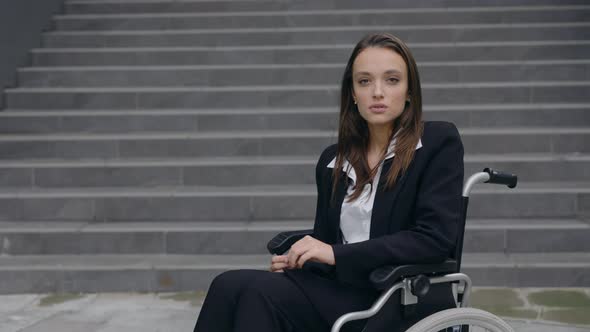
(378, 108)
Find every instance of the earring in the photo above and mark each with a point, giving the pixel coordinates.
(355, 102)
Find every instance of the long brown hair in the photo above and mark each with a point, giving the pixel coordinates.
(353, 131)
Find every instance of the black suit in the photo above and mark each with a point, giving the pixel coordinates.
(415, 222)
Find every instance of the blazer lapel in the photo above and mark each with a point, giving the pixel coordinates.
(384, 202)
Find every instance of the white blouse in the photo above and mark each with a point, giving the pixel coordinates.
(355, 216)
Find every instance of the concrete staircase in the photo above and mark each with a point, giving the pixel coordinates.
(154, 144)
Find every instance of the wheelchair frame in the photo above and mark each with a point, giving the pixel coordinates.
(415, 279)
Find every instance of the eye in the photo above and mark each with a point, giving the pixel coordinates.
(393, 79)
(363, 81)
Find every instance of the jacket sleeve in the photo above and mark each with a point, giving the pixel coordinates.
(320, 227)
(432, 236)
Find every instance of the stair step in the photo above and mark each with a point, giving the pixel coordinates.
(163, 6)
(248, 203)
(261, 190)
(267, 143)
(284, 95)
(244, 171)
(278, 160)
(333, 17)
(160, 273)
(480, 107)
(318, 35)
(431, 72)
(306, 54)
(199, 238)
(14, 121)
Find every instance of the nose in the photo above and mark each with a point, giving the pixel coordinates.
(378, 91)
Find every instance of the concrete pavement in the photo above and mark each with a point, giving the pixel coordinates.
(164, 312)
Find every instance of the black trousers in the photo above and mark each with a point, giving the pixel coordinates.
(255, 300)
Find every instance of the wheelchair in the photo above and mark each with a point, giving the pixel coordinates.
(414, 280)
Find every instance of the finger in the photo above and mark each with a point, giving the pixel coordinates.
(292, 257)
(279, 259)
(281, 265)
(304, 258)
(298, 249)
(281, 271)
(296, 256)
(278, 266)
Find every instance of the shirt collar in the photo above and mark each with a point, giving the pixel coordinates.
(349, 170)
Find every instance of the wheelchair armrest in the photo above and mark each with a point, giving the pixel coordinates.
(386, 276)
(284, 240)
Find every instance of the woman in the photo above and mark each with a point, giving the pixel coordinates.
(373, 209)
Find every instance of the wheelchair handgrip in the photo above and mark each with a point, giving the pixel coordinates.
(501, 178)
(284, 240)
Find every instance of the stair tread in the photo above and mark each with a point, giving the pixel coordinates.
(295, 133)
(166, 226)
(258, 190)
(526, 43)
(527, 25)
(284, 87)
(318, 11)
(286, 110)
(262, 160)
(48, 227)
(102, 68)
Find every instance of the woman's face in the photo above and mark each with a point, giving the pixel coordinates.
(380, 85)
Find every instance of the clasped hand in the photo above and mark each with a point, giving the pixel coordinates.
(308, 248)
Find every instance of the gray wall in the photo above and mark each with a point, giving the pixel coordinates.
(21, 24)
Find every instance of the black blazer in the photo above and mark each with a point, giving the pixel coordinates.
(415, 222)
